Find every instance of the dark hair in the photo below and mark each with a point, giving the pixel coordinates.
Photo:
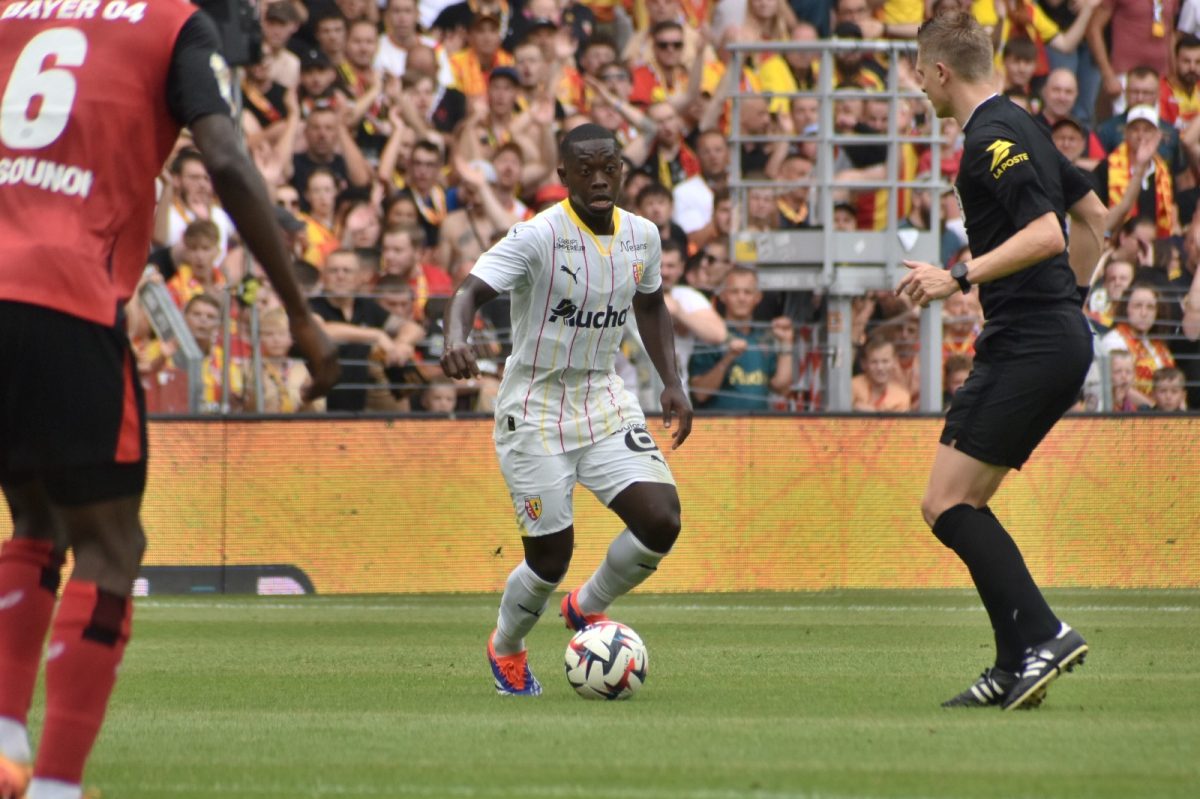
(429, 147)
(183, 156)
(203, 298)
(1186, 41)
(957, 363)
(672, 245)
(877, 341)
(589, 131)
(1021, 49)
(654, 189)
(1141, 71)
(1161, 326)
(1167, 373)
(321, 170)
(666, 24)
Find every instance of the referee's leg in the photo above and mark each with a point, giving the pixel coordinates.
(955, 507)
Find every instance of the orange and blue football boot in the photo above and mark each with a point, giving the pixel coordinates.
(576, 619)
(513, 677)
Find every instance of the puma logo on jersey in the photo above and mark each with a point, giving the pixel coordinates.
(11, 599)
(573, 316)
(574, 275)
(1001, 160)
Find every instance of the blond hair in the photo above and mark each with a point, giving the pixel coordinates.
(955, 39)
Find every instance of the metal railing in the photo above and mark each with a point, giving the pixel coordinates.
(845, 264)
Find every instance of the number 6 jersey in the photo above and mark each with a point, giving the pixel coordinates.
(572, 294)
(94, 93)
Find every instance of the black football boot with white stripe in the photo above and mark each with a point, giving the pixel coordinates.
(1043, 663)
(990, 689)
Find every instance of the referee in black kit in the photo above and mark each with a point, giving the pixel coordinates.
(1016, 192)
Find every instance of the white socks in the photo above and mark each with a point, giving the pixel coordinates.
(525, 597)
(626, 566)
(14, 741)
(53, 789)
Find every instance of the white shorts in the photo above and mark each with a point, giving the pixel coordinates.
(542, 486)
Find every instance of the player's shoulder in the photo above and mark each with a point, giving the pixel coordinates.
(640, 226)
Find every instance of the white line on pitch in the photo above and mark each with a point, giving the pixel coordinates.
(251, 604)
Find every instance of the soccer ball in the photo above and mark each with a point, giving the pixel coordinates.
(606, 660)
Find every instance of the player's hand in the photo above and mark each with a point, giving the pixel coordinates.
(926, 283)
(320, 355)
(675, 403)
(458, 361)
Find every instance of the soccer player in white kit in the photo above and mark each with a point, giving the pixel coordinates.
(574, 273)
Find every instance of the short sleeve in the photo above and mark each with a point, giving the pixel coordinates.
(1046, 28)
(509, 262)
(1075, 182)
(199, 82)
(1001, 162)
(652, 269)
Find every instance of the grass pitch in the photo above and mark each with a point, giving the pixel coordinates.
(775, 696)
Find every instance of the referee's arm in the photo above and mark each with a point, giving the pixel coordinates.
(1040, 239)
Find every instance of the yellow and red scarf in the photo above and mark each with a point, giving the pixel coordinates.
(1149, 355)
(1119, 170)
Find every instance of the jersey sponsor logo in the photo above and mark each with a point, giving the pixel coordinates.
(629, 246)
(569, 245)
(1001, 158)
(114, 10)
(639, 439)
(533, 508)
(572, 315)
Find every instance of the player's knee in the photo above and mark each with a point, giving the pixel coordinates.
(931, 509)
(659, 529)
(549, 566)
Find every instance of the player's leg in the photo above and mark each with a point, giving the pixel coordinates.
(542, 489)
(628, 473)
(99, 510)
(30, 570)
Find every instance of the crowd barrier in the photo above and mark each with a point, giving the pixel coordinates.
(769, 503)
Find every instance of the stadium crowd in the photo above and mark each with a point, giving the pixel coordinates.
(401, 140)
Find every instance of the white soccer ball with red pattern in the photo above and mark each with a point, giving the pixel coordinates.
(606, 660)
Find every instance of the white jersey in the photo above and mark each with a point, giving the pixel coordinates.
(572, 294)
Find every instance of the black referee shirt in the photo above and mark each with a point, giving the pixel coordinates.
(1011, 174)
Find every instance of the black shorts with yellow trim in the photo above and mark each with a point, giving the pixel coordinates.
(72, 410)
(1026, 376)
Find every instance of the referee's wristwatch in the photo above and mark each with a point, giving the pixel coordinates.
(959, 273)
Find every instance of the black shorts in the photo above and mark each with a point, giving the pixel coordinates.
(1027, 375)
(72, 412)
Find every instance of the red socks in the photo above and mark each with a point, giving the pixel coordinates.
(29, 577)
(86, 645)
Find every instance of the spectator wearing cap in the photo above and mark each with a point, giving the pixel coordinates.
(1142, 87)
(401, 36)
(319, 84)
(1134, 180)
(455, 19)
(482, 55)
(1058, 102)
(489, 129)
(1069, 136)
(280, 20)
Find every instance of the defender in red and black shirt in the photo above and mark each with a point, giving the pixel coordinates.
(94, 95)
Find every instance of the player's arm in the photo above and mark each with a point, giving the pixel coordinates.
(458, 358)
(195, 98)
(658, 336)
